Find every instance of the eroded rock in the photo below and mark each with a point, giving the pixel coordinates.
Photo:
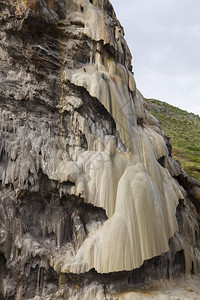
(91, 202)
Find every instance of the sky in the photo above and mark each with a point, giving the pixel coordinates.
(164, 39)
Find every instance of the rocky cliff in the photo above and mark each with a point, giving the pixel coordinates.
(91, 201)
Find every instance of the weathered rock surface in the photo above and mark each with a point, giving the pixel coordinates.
(91, 202)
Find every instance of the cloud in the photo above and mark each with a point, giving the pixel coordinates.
(163, 37)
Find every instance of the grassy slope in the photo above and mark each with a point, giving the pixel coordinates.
(183, 128)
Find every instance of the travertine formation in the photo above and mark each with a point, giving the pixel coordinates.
(91, 201)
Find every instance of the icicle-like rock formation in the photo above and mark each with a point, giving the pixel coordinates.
(87, 182)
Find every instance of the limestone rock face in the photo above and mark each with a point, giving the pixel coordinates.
(91, 201)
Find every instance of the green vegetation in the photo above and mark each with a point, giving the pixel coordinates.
(183, 128)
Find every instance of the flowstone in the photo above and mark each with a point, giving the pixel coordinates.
(91, 202)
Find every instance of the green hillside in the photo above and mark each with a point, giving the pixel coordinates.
(183, 128)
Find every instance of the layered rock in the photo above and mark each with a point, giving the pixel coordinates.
(91, 200)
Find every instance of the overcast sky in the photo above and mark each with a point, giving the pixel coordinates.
(164, 38)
